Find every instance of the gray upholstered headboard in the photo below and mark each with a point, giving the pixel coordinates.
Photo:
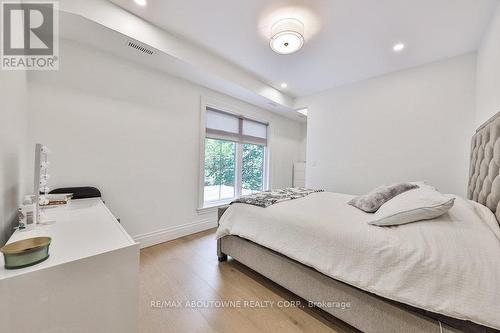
(484, 174)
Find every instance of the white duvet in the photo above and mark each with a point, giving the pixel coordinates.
(449, 265)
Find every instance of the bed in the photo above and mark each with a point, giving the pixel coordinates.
(385, 293)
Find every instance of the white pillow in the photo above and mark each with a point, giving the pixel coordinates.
(415, 205)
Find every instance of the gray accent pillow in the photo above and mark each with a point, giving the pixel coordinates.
(373, 200)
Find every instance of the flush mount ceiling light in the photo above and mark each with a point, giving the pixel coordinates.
(398, 47)
(284, 85)
(287, 36)
(141, 2)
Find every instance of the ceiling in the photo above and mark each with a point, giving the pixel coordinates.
(346, 40)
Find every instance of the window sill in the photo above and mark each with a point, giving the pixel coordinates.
(209, 208)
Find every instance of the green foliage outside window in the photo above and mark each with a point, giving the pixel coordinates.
(253, 167)
(220, 164)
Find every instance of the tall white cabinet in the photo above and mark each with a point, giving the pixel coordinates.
(299, 174)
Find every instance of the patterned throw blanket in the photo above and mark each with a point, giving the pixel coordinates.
(268, 198)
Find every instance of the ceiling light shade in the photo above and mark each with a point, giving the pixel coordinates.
(284, 85)
(141, 2)
(287, 36)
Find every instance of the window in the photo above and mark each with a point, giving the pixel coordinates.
(252, 169)
(220, 170)
(234, 157)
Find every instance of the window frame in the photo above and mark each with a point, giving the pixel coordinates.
(232, 110)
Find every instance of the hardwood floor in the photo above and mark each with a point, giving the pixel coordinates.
(187, 270)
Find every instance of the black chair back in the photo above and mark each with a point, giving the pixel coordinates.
(79, 192)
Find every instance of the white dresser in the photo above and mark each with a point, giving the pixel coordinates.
(299, 174)
(90, 282)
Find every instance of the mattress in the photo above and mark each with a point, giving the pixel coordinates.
(447, 265)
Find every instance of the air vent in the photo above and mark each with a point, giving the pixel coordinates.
(141, 48)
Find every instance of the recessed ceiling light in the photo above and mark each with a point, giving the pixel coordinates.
(287, 36)
(141, 2)
(398, 47)
(303, 111)
(284, 85)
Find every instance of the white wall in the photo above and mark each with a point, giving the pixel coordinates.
(410, 125)
(488, 72)
(13, 127)
(135, 134)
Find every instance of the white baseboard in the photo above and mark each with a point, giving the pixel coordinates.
(170, 233)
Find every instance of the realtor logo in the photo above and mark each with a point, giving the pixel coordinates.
(29, 35)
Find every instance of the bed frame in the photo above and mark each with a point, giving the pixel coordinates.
(368, 312)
